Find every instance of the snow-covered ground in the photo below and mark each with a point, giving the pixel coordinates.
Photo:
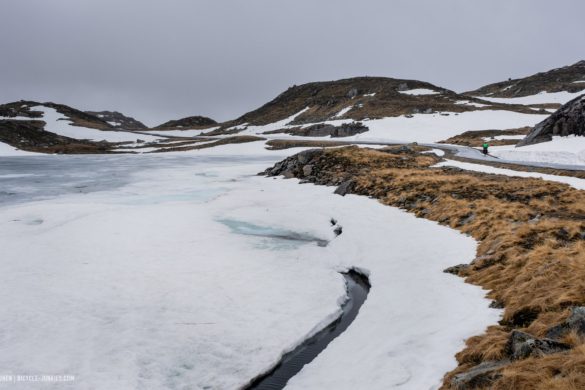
(568, 150)
(180, 133)
(505, 137)
(540, 98)
(7, 150)
(572, 181)
(421, 127)
(419, 92)
(151, 283)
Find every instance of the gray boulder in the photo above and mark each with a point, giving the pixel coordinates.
(567, 120)
(575, 322)
(324, 130)
(481, 375)
(523, 345)
(344, 188)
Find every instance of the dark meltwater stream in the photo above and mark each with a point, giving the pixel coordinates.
(358, 288)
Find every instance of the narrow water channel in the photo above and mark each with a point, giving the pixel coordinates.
(358, 287)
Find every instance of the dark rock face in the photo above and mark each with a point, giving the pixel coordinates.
(324, 130)
(344, 188)
(189, 122)
(118, 120)
(567, 120)
(575, 322)
(295, 166)
(522, 345)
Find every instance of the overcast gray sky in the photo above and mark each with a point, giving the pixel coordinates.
(166, 59)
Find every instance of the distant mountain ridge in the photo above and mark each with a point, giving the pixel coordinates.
(566, 79)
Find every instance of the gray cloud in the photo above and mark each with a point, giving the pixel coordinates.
(160, 60)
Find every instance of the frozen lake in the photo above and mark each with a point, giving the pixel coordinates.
(190, 271)
(29, 178)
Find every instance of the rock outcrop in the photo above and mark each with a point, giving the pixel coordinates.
(567, 120)
(191, 122)
(118, 120)
(522, 345)
(574, 323)
(325, 130)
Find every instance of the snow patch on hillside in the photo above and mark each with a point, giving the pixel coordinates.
(58, 124)
(437, 127)
(469, 103)
(7, 150)
(541, 98)
(572, 181)
(343, 112)
(180, 133)
(419, 92)
(568, 150)
(420, 127)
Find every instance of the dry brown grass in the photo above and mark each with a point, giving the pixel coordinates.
(531, 252)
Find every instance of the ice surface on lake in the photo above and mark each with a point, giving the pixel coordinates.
(132, 282)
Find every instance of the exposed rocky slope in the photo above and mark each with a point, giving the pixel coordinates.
(78, 118)
(360, 98)
(31, 136)
(118, 120)
(192, 122)
(569, 78)
(531, 236)
(324, 130)
(567, 120)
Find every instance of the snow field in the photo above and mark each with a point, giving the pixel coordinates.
(568, 150)
(572, 181)
(144, 287)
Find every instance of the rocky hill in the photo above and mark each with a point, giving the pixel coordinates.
(118, 120)
(25, 108)
(567, 120)
(363, 98)
(569, 78)
(31, 135)
(191, 122)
